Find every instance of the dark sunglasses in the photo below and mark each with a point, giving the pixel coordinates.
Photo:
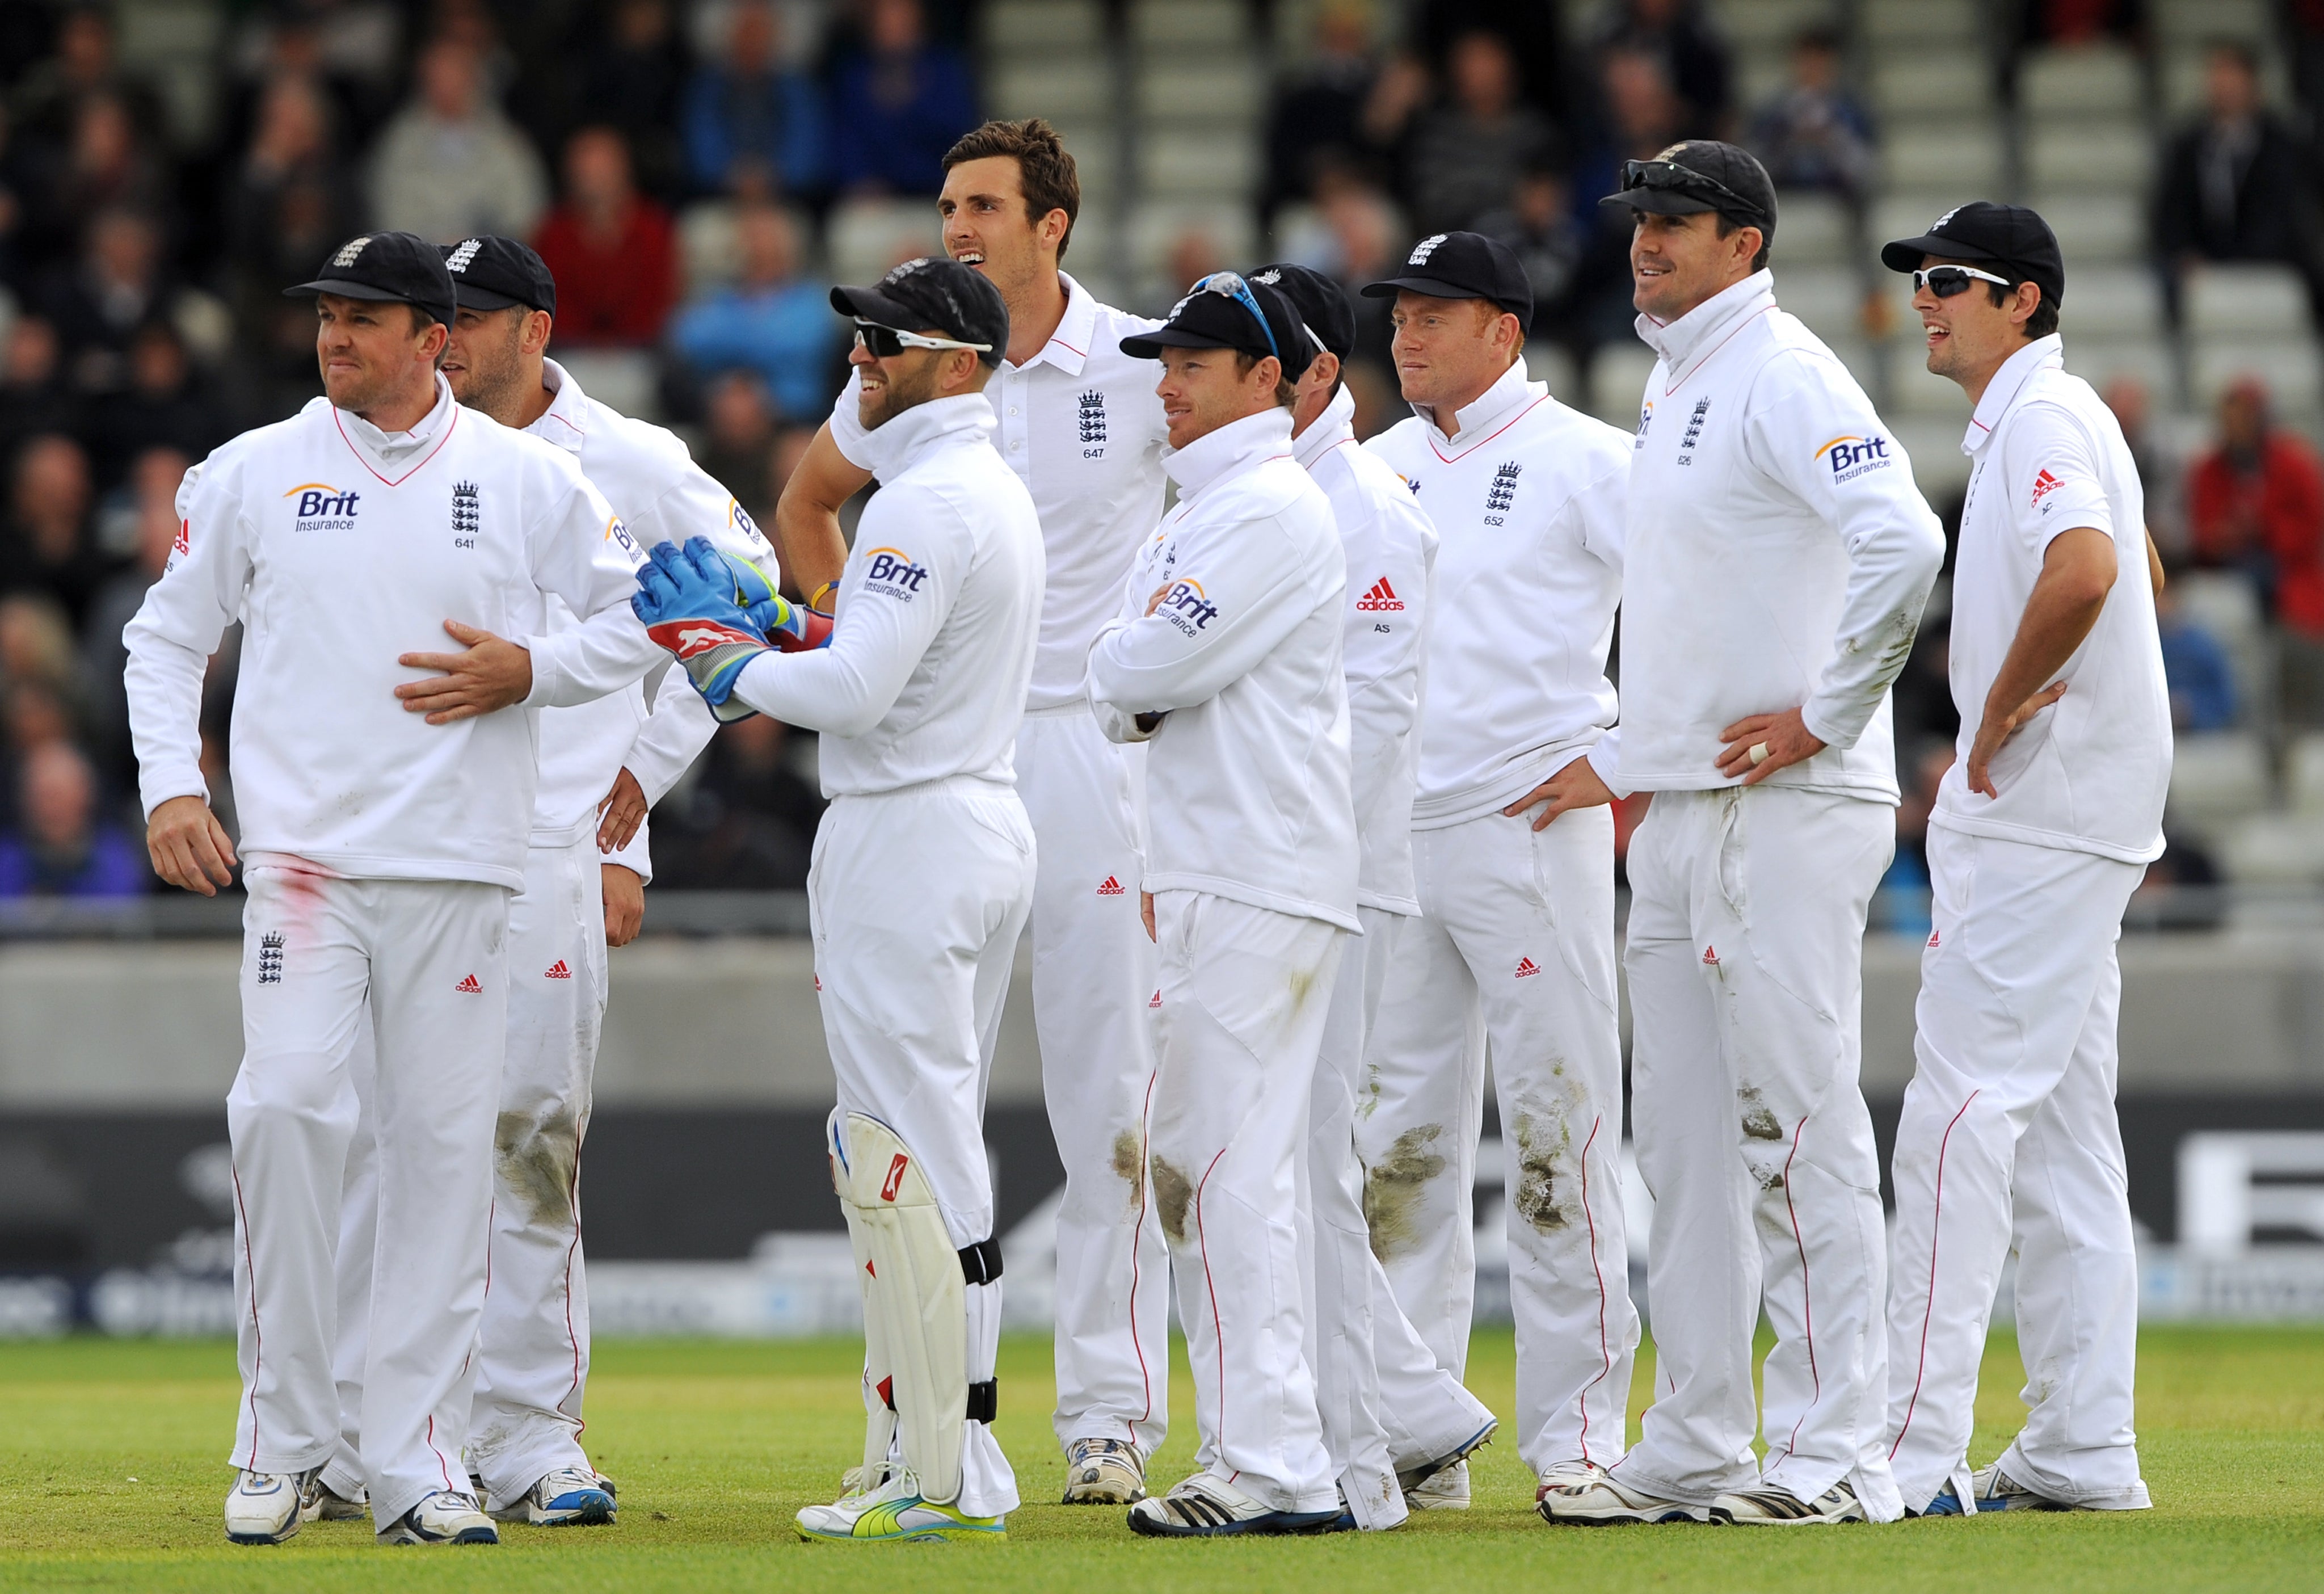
(886, 342)
(1671, 176)
(1951, 281)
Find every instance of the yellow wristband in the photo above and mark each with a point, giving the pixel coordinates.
(815, 601)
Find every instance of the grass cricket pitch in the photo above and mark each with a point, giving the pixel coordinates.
(111, 1475)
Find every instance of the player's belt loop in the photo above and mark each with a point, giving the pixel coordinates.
(980, 1263)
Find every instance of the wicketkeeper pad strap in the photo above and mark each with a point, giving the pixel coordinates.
(916, 1306)
(980, 1263)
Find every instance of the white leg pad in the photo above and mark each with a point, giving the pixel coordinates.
(915, 1300)
(879, 1417)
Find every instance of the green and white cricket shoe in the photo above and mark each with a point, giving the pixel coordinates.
(894, 1513)
(267, 1507)
(1779, 1507)
(448, 1517)
(570, 1497)
(1104, 1472)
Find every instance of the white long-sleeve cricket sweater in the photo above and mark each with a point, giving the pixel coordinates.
(661, 495)
(1527, 496)
(1779, 554)
(341, 548)
(1392, 557)
(1248, 790)
(938, 615)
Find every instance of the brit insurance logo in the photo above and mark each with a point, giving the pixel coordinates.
(1851, 456)
(1188, 607)
(891, 571)
(323, 508)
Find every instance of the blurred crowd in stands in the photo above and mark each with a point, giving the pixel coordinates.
(141, 254)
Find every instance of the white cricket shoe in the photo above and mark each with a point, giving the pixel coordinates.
(267, 1507)
(447, 1516)
(1606, 1501)
(1207, 1506)
(892, 1513)
(1445, 1489)
(1568, 1475)
(1779, 1507)
(1442, 1483)
(1104, 1472)
(326, 1504)
(570, 1497)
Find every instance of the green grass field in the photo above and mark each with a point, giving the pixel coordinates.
(111, 1477)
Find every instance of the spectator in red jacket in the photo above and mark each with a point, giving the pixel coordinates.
(613, 250)
(2256, 503)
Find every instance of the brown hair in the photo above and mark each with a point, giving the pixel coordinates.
(1045, 170)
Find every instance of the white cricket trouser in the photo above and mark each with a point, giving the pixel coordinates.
(1514, 942)
(917, 898)
(1746, 957)
(2009, 1136)
(1384, 1402)
(533, 1356)
(425, 961)
(1245, 994)
(1092, 977)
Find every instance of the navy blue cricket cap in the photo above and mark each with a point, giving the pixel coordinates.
(1462, 265)
(958, 301)
(492, 273)
(2012, 240)
(1226, 310)
(1323, 309)
(386, 266)
(1701, 175)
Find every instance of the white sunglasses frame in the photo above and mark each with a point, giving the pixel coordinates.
(1920, 276)
(912, 340)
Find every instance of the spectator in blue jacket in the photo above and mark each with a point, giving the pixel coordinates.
(773, 322)
(897, 105)
(61, 848)
(2195, 667)
(754, 125)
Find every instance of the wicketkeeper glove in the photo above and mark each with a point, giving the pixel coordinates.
(687, 599)
(792, 628)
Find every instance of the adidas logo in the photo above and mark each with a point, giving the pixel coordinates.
(1112, 888)
(468, 987)
(1156, 1001)
(185, 539)
(1381, 596)
(557, 971)
(2045, 484)
(818, 983)
(1932, 937)
(1526, 966)
(1710, 957)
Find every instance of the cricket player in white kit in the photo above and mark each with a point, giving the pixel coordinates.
(1779, 559)
(1392, 1418)
(923, 873)
(1514, 942)
(584, 881)
(1226, 658)
(382, 849)
(1078, 420)
(2043, 828)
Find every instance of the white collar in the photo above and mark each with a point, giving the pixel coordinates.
(902, 441)
(1230, 450)
(1509, 391)
(564, 421)
(2044, 354)
(1336, 425)
(1068, 348)
(1684, 344)
(386, 452)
